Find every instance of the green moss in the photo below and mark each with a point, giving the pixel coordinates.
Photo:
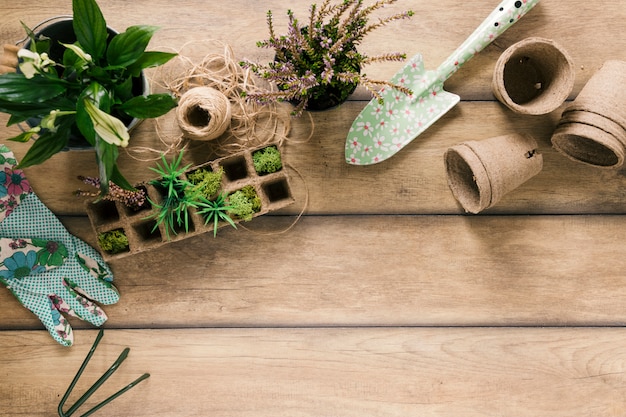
(267, 160)
(244, 203)
(113, 241)
(207, 182)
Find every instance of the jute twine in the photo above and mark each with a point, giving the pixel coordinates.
(251, 124)
(203, 113)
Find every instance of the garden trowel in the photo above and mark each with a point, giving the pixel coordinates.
(384, 127)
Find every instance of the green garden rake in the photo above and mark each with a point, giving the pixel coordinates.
(97, 384)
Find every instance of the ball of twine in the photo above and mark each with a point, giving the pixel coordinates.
(203, 113)
(251, 124)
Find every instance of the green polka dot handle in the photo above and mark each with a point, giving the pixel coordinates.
(50, 271)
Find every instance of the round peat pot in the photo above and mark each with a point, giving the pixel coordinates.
(534, 76)
(480, 173)
(589, 144)
(592, 129)
(605, 92)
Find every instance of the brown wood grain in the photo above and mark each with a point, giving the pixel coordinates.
(345, 372)
(411, 182)
(374, 270)
(384, 299)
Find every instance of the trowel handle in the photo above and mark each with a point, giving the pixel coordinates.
(503, 17)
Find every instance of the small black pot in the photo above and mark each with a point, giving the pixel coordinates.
(326, 97)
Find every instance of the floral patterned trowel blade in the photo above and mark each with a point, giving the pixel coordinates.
(382, 129)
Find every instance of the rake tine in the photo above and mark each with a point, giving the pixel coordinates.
(117, 394)
(79, 373)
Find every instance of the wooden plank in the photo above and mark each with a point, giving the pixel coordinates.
(328, 372)
(373, 270)
(587, 30)
(411, 182)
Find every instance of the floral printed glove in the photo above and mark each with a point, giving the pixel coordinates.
(50, 271)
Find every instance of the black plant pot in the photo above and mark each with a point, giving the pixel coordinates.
(327, 97)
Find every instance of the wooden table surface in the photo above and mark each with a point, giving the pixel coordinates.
(385, 298)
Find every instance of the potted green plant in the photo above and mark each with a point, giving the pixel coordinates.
(83, 87)
(317, 65)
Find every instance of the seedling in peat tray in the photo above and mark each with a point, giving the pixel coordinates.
(179, 195)
(267, 160)
(206, 181)
(244, 203)
(215, 210)
(113, 241)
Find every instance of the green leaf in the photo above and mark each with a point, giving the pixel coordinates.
(90, 27)
(124, 91)
(106, 155)
(118, 178)
(48, 144)
(16, 88)
(71, 61)
(150, 59)
(23, 137)
(145, 107)
(22, 111)
(84, 124)
(127, 47)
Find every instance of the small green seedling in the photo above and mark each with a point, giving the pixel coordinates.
(206, 181)
(244, 202)
(179, 195)
(215, 211)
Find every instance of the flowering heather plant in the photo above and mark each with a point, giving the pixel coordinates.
(322, 56)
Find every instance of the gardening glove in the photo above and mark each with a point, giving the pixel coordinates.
(50, 271)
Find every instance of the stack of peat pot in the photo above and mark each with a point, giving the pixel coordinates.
(592, 129)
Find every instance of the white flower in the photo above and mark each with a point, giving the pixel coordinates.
(32, 63)
(78, 51)
(353, 159)
(109, 128)
(366, 127)
(49, 122)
